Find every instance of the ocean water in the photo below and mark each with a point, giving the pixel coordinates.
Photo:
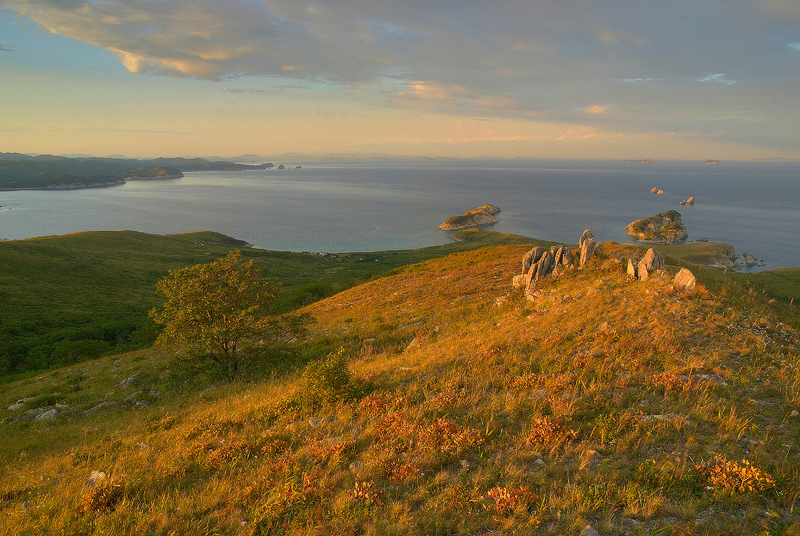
(380, 205)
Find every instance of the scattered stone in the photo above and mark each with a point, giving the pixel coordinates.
(716, 379)
(128, 382)
(464, 464)
(95, 477)
(518, 281)
(48, 415)
(315, 422)
(101, 405)
(794, 413)
(588, 530)
(132, 396)
(654, 190)
(749, 259)
(684, 280)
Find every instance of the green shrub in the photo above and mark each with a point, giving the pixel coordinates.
(329, 381)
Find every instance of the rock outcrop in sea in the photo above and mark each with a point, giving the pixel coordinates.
(664, 228)
(476, 217)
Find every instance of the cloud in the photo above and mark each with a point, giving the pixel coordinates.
(270, 90)
(5, 49)
(719, 77)
(596, 109)
(541, 59)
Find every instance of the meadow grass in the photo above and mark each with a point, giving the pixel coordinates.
(461, 408)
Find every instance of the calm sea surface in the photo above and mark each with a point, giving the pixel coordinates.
(367, 206)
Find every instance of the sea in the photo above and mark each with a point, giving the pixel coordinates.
(384, 204)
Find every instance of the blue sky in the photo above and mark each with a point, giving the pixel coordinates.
(505, 78)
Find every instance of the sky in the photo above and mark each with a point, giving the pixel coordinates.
(618, 79)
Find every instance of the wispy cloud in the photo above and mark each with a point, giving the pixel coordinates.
(719, 78)
(270, 90)
(5, 49)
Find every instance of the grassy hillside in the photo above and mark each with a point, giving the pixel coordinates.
(79, 296)
(461, 408)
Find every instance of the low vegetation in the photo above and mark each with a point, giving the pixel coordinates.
(438, 400)
(84, 295)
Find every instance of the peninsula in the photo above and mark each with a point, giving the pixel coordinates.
(664, 228)
(49, 172)
(476, 217)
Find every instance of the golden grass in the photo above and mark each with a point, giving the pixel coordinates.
(484, 412)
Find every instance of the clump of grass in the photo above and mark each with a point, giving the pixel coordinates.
(329, 381)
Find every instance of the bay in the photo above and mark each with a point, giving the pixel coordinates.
(381, 205)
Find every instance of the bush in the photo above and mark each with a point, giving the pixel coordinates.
(330, 381)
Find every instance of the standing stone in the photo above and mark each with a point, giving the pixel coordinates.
(587, 250)
(531, 258)
(587, 235)
(541, 269)
(545, 266)
(652, 261)
(684, 280)
(632, 269)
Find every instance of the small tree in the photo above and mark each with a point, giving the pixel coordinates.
(218, 310)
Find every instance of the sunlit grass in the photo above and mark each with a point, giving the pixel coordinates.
(460, 408)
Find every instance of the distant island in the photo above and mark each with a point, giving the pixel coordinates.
(476, 217)
(664, 228)
(49, 172)
(711, 162)
(645, 161)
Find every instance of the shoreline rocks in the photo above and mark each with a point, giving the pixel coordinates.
(476, 217)
(665, 228)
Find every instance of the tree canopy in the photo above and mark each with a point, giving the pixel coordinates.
(218, 311)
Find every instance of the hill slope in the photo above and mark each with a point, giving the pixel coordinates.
(465, 410)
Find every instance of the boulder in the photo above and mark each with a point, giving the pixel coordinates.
(129, 382)
(531, 258)
(48, 415)
(541, 269)
(651, 262)
(684, 280)
(654, 190)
